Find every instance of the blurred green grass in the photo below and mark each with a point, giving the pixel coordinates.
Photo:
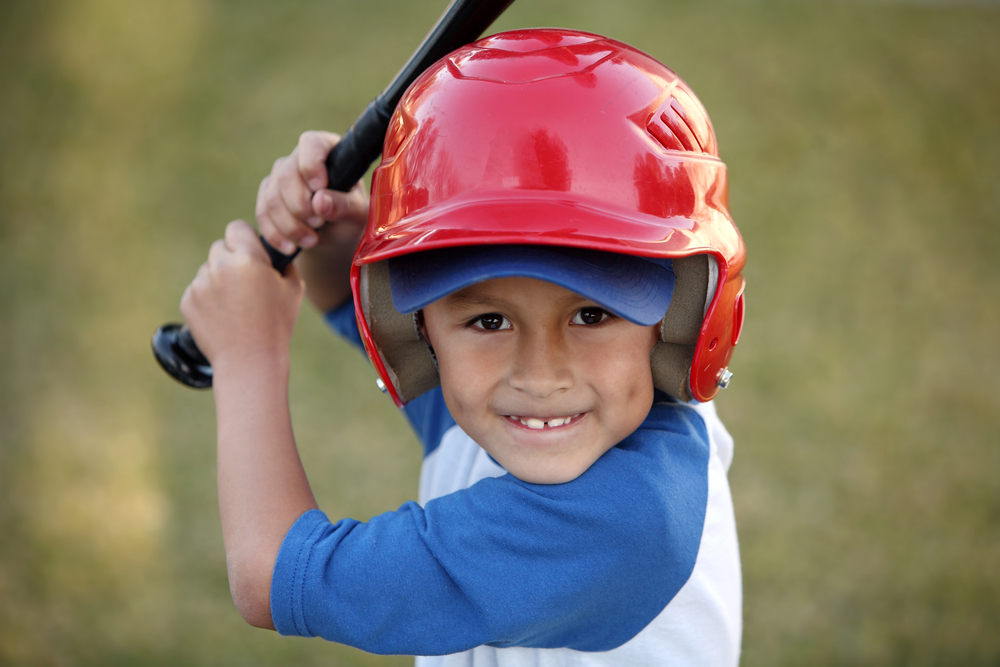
(864, 155)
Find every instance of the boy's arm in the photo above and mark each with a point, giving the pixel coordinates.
(242, 313)
(584, 565)
(295, 208)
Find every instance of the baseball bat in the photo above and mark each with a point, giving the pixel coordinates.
(462, 22)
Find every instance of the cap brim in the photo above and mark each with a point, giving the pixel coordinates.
(638, 289)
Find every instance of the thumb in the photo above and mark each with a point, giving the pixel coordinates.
(351, 207)
(311, 153)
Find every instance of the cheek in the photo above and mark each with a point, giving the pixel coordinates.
(646, 339)
(639, 388)
(467, 376)
(627, 383)
(629, 368)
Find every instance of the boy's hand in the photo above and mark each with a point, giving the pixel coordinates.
(238, 307)
(293, 201)
(295, 208)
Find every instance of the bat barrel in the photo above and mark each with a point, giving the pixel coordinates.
(462, 22)
(359, 147)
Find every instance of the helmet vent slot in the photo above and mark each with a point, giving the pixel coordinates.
(669, 126)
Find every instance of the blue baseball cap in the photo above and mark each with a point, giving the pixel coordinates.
(635, 288)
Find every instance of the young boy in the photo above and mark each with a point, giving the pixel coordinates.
(548, 275)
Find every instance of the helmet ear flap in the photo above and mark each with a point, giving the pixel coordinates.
(405, 354)
(672, 357)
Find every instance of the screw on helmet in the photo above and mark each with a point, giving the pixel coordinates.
(560, 138)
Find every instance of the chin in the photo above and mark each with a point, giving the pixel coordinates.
(547, 473)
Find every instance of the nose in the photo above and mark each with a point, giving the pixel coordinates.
(542, 365)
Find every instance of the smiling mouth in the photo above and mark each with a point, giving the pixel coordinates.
(536, 423)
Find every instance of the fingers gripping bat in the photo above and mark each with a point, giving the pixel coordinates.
(461, 23)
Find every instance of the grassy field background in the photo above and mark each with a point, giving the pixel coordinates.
(864, 151)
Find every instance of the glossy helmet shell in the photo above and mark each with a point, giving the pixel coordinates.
(556, 137)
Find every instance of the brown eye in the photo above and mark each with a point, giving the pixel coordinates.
(491, 322)
(590, 315)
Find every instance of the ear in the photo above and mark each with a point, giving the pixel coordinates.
(421, 324)
(655, 335)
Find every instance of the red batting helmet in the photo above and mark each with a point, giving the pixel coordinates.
(561, 138)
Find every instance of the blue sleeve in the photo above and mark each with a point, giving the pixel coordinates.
(342, 320)
(427, 414)
(584, 565)
(430, 418)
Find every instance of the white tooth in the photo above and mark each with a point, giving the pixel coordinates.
(533, 423)
(558, 421)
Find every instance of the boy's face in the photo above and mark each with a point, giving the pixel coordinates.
(542, 378)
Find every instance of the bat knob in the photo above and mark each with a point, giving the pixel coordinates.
(178, 354)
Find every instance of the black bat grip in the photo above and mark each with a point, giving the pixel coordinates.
(348, 161)
(174, 346)
(462, 22)
(359, 147)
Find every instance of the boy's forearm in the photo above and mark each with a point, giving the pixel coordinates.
(262, 486)
(326, 270)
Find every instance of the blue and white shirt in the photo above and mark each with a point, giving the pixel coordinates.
(635, 562)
